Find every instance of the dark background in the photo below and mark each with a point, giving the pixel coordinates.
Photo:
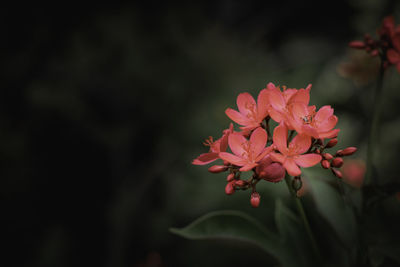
(103, 107)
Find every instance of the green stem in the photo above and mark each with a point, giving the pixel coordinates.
(303, 216)
(373, 134)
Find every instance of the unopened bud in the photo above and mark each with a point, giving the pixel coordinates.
(337, 162)
(270, 171)
(317, 151)
(229, 188)
(240, 183)
(217, 168)
(374, 52)
(230, 177)
(339, 153)
(325, 164)
(255, 199)
(337, 173)
(327, 156)
(297, 183)
(331, 143)
(226, 163)
(347, 151)
(357, 44)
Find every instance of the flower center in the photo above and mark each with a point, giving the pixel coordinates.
(252, 113)
(247, 153)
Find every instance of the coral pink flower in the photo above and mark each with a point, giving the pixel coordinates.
(280, 101)
(250, 114)
(247, 153)
(291, 157)
(216, 146)
(316, 124)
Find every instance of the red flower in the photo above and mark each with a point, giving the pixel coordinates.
(247, 153)
(250, 114)
(316, 124)
(280, 101)
(291, 157)
(216, 146)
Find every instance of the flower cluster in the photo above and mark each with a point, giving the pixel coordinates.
(387, 46)
(298, 140)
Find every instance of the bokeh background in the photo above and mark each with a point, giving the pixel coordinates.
(103, 108)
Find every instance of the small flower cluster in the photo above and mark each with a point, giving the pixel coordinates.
(298, 141)
(387, 46)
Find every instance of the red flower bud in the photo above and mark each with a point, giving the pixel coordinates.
(217, 168)
(317, 151)
(339, 153)
(337, 162)
(325, 164)
(347, 151)
(357, 44)
(327, 156)
(240, 183)
(374, 52)
(270, 171)
(255, 199)
(331, 143)
(229, 188)
(230, 177)
(337, 173)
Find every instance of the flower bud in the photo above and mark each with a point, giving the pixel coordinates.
(357, 44)
(331, 143)
(327, 156)
(347, 151)
(229, 188)
(337, 162)
(318, 151)
(374, 52)
(269, 170)
(255, 199)
(217, 168)
(325, 164)
(297, 183)
(240, 183)
(230, 177)
(337, 173)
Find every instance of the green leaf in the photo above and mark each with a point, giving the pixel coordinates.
(233, 225)
(331, 205)
(293, 240)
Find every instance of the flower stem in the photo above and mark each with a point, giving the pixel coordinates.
(373, 134)
(303, 216)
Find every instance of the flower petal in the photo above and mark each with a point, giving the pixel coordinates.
(205, 158)
(237, 117)
(258, 140)
(235, 160)
(300, 144)
(262, 104)
(291, 167)
(276, 157)
(307, 160)
(328, 124)
(280, 138)
(265, 152)
(246, 103)
(276, 99)
(302, 96)
(323, 114)
(248, 167)
(237, 143)
(330, 134)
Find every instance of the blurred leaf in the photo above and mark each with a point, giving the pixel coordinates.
(230, 225)
(332, 207)
(292, 237)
